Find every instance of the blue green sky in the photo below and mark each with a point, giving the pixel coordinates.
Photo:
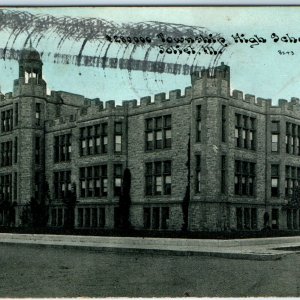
(260, 70)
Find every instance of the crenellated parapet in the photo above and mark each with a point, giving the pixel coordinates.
(6, 99)
(284, 106)
(289, 108)
(251, 99)
(92, 109)
(61, 123)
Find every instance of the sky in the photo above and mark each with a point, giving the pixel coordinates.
(258, 70)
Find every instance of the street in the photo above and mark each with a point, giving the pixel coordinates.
(37, 271)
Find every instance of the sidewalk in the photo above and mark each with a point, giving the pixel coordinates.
(256, 249)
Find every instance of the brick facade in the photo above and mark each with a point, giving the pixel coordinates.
(232, 165)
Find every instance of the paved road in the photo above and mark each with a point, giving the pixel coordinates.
(36, 271)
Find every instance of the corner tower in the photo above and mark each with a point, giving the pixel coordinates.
(29, 102)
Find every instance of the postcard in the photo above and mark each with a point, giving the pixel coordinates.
(149, 151)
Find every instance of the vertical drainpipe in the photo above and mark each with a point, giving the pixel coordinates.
(190, 174)
(126, 134)
(266, 157)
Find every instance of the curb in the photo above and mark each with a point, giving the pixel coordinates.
(111, 249)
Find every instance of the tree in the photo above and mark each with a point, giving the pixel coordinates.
(35, 213)
(186, 199)
(38, 212)
(125, 200)
(70, 203)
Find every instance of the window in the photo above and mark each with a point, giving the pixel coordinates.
(292, 179)
(295, 219)
(275, 126)
(104, 138)
(118, 137)
(149, 134)
(239, 218)
(93, 181)
(156, 217)
(252, 133)
(62, 148)
(237, 132)
(68, 147)
(80, 217)
(275, 139)
(298, 141)
(97, 139)
(6, 154)
(101, 217)
(53, 217)
(149, 178)
(275, 218)
(37, 183)
(253, 224)
(158, 133)
(59, 217)
(15, 185)
(244, 178)
(16, 150)
(274, 180)
(158, 178)
(37, 150)
(246, 218)
(117, 179)
(288, 137)
(37, 114)
(167, 132)
(223, 123)
(6, 187)
(245, 132)
(198, 173)
(292, 138)
(167, 177)
(199, 124)
(94, 217)
(223, 174)
(292, 219)
(93, 140)
(289, 218)
(87, 217)
(147, 218)
(89, 180)
(62, 184)
(89, 140)
(16, 114)
(7, 120)
(164, 218)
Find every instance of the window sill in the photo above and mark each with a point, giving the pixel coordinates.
(158, 196)
(89, 155)
(160, 149)
(62, 162)
(247, 149)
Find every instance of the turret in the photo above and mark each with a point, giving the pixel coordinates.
(30, 81)
(212, 81)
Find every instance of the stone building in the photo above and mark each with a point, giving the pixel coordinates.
(238, 156)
